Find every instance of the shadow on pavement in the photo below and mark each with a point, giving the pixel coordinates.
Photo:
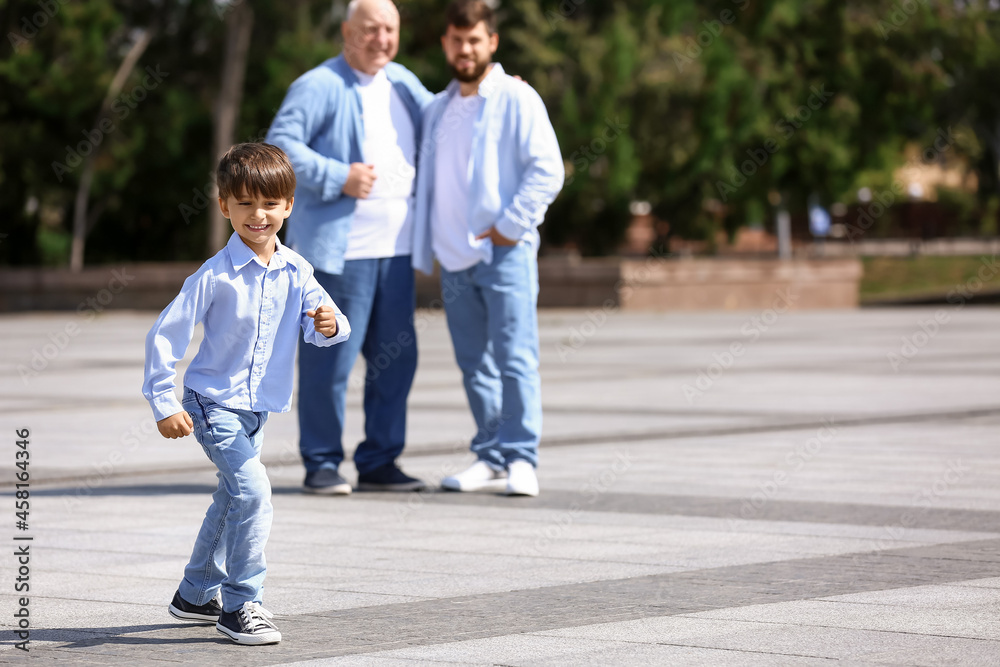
(127, 490)
(126, 635)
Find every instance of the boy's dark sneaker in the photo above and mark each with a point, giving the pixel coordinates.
(389, 478)
(249, 625)
(183, 610)
(326, 481)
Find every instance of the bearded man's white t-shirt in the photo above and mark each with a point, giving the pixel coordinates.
(455, 247)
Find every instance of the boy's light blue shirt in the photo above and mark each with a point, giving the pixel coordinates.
(319, 126)
(251, 315)
(516, 168)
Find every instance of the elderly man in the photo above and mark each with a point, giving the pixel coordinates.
(351, 127)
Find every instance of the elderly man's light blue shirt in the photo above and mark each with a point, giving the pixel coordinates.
(320, 127)
(251, 315)
(516, 168)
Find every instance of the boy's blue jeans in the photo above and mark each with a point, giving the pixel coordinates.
(378, 298)
(229, 551)
(493, 320)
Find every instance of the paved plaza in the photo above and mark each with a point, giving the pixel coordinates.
(744, 488)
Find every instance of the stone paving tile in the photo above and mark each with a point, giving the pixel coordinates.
(974, 622)
(956, 596)
(373, 661)
(707, 506)
(65, 613)
(294, 596)
(535, 649)
(656, 566)
(756, 590)
(853, 645)
(991, 582)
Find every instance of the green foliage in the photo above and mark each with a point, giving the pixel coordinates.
(886, 278)
(962, 207)
(708, 109)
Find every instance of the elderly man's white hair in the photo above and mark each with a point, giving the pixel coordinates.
(353, 5)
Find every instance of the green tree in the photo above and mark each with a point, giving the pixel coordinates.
(709, 110)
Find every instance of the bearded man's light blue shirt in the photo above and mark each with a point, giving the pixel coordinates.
(515, 171)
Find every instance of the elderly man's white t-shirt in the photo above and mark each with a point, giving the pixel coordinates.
(383, 223)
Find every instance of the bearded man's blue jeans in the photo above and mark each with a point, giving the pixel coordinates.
(493, 320)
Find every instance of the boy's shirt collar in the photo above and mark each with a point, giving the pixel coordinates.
(241, 254)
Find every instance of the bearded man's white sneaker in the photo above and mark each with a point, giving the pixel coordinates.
(521, 479)
(480, 476)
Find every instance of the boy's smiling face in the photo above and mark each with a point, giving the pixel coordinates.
(257, 219)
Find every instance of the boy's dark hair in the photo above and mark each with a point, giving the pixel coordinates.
(468, 13)
(255, 169)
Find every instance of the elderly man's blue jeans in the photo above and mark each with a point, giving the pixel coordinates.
(378, 298)
(493, 320)
(229, 550)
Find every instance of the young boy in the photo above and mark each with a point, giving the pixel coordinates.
(251, 299)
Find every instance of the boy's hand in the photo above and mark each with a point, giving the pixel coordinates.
(176, 426)
(324, 320)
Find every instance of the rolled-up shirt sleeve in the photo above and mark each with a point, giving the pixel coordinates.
(301, 116)
(542, 162)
